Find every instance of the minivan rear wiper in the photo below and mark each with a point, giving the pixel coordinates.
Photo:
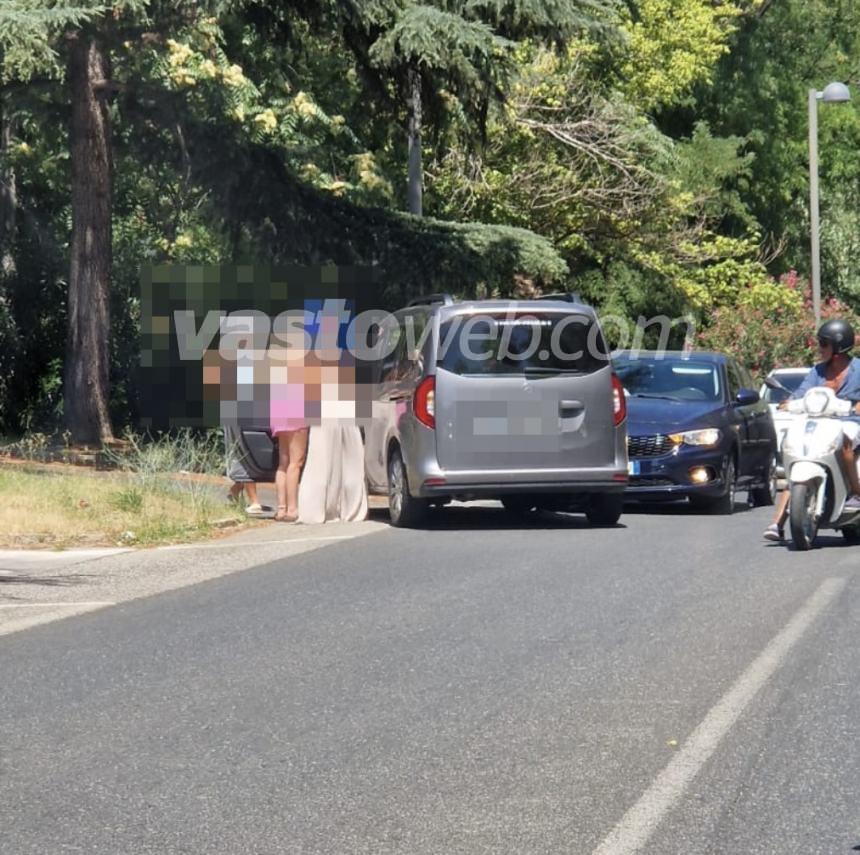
(547, 371)
(649, 395)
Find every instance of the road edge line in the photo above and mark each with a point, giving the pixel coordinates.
(641, 821)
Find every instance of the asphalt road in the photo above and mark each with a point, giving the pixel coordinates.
(673, 685)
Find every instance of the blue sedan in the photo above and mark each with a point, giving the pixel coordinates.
(697, 429)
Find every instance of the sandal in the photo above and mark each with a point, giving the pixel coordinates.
(283, 516)
(774, 533)
(257, 510)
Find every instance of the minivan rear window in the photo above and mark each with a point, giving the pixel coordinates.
(534, 343)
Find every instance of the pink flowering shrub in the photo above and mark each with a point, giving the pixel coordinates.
(773, 337)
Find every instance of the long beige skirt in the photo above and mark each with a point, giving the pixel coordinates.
(332, 485)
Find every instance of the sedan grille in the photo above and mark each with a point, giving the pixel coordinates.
(649, 446)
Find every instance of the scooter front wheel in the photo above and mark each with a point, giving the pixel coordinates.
(804, 525)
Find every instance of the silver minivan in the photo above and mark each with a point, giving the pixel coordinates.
(509, 400)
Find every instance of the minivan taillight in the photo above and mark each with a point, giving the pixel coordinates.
(424, 402)
(619, 401)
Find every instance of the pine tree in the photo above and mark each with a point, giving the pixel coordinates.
(415, 50)
(74, 43)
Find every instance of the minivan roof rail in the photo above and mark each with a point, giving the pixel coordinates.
(429, 299)
(565, 296)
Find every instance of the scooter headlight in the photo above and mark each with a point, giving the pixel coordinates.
(815, 401)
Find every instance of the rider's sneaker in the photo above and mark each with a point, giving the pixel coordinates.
(774, 533)
(853, 503)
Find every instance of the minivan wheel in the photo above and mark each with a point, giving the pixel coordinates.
(605, 508)
(404, 509)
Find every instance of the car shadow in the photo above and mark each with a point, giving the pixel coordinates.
(485, 518)
(680, 508)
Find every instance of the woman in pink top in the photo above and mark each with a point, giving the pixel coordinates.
(290, 428)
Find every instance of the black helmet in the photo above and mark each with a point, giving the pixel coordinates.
(839, 333)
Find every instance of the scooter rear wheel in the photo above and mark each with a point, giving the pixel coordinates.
(804, 525)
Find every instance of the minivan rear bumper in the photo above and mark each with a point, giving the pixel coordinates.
(484, 484)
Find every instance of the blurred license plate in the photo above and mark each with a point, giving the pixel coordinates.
(632, 467)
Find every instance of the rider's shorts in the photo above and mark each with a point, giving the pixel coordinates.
(852, 431)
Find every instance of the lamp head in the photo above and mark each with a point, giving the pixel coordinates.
(835, 93)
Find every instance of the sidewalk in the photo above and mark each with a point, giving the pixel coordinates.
(41, 586)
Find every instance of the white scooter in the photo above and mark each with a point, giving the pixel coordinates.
(811, 452)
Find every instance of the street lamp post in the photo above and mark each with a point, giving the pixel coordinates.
(833, 93)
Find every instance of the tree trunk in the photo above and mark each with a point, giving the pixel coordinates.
(415, 189)
(86, 387)
(8, 194)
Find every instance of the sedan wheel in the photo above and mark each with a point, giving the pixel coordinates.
(766, 494)
(851, 534)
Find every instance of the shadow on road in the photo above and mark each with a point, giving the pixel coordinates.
(482, 518)
(678, 509)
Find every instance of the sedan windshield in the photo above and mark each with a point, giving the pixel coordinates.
(673, 378)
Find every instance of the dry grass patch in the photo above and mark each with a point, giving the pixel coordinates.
(63, 509)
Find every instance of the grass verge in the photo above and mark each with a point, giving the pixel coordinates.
(59, 509)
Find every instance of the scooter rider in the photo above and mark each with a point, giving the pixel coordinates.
(839, 371)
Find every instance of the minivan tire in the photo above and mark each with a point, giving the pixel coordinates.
(605, 508)
(404, 510)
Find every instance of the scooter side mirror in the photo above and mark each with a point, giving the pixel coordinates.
(773, 383)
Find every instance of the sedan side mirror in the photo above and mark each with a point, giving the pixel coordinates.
(746, 398)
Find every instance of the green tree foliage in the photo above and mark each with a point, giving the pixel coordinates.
(569, 158)
(225, 145)
(659, 169)
(673, 45)
(453, 59)
(767, 337)
(759, 94)
(29, 30)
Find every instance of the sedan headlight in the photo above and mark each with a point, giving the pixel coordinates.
(703, 438)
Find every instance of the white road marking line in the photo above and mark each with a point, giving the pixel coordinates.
(256, 542)
(90, 604)
(642, 820)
